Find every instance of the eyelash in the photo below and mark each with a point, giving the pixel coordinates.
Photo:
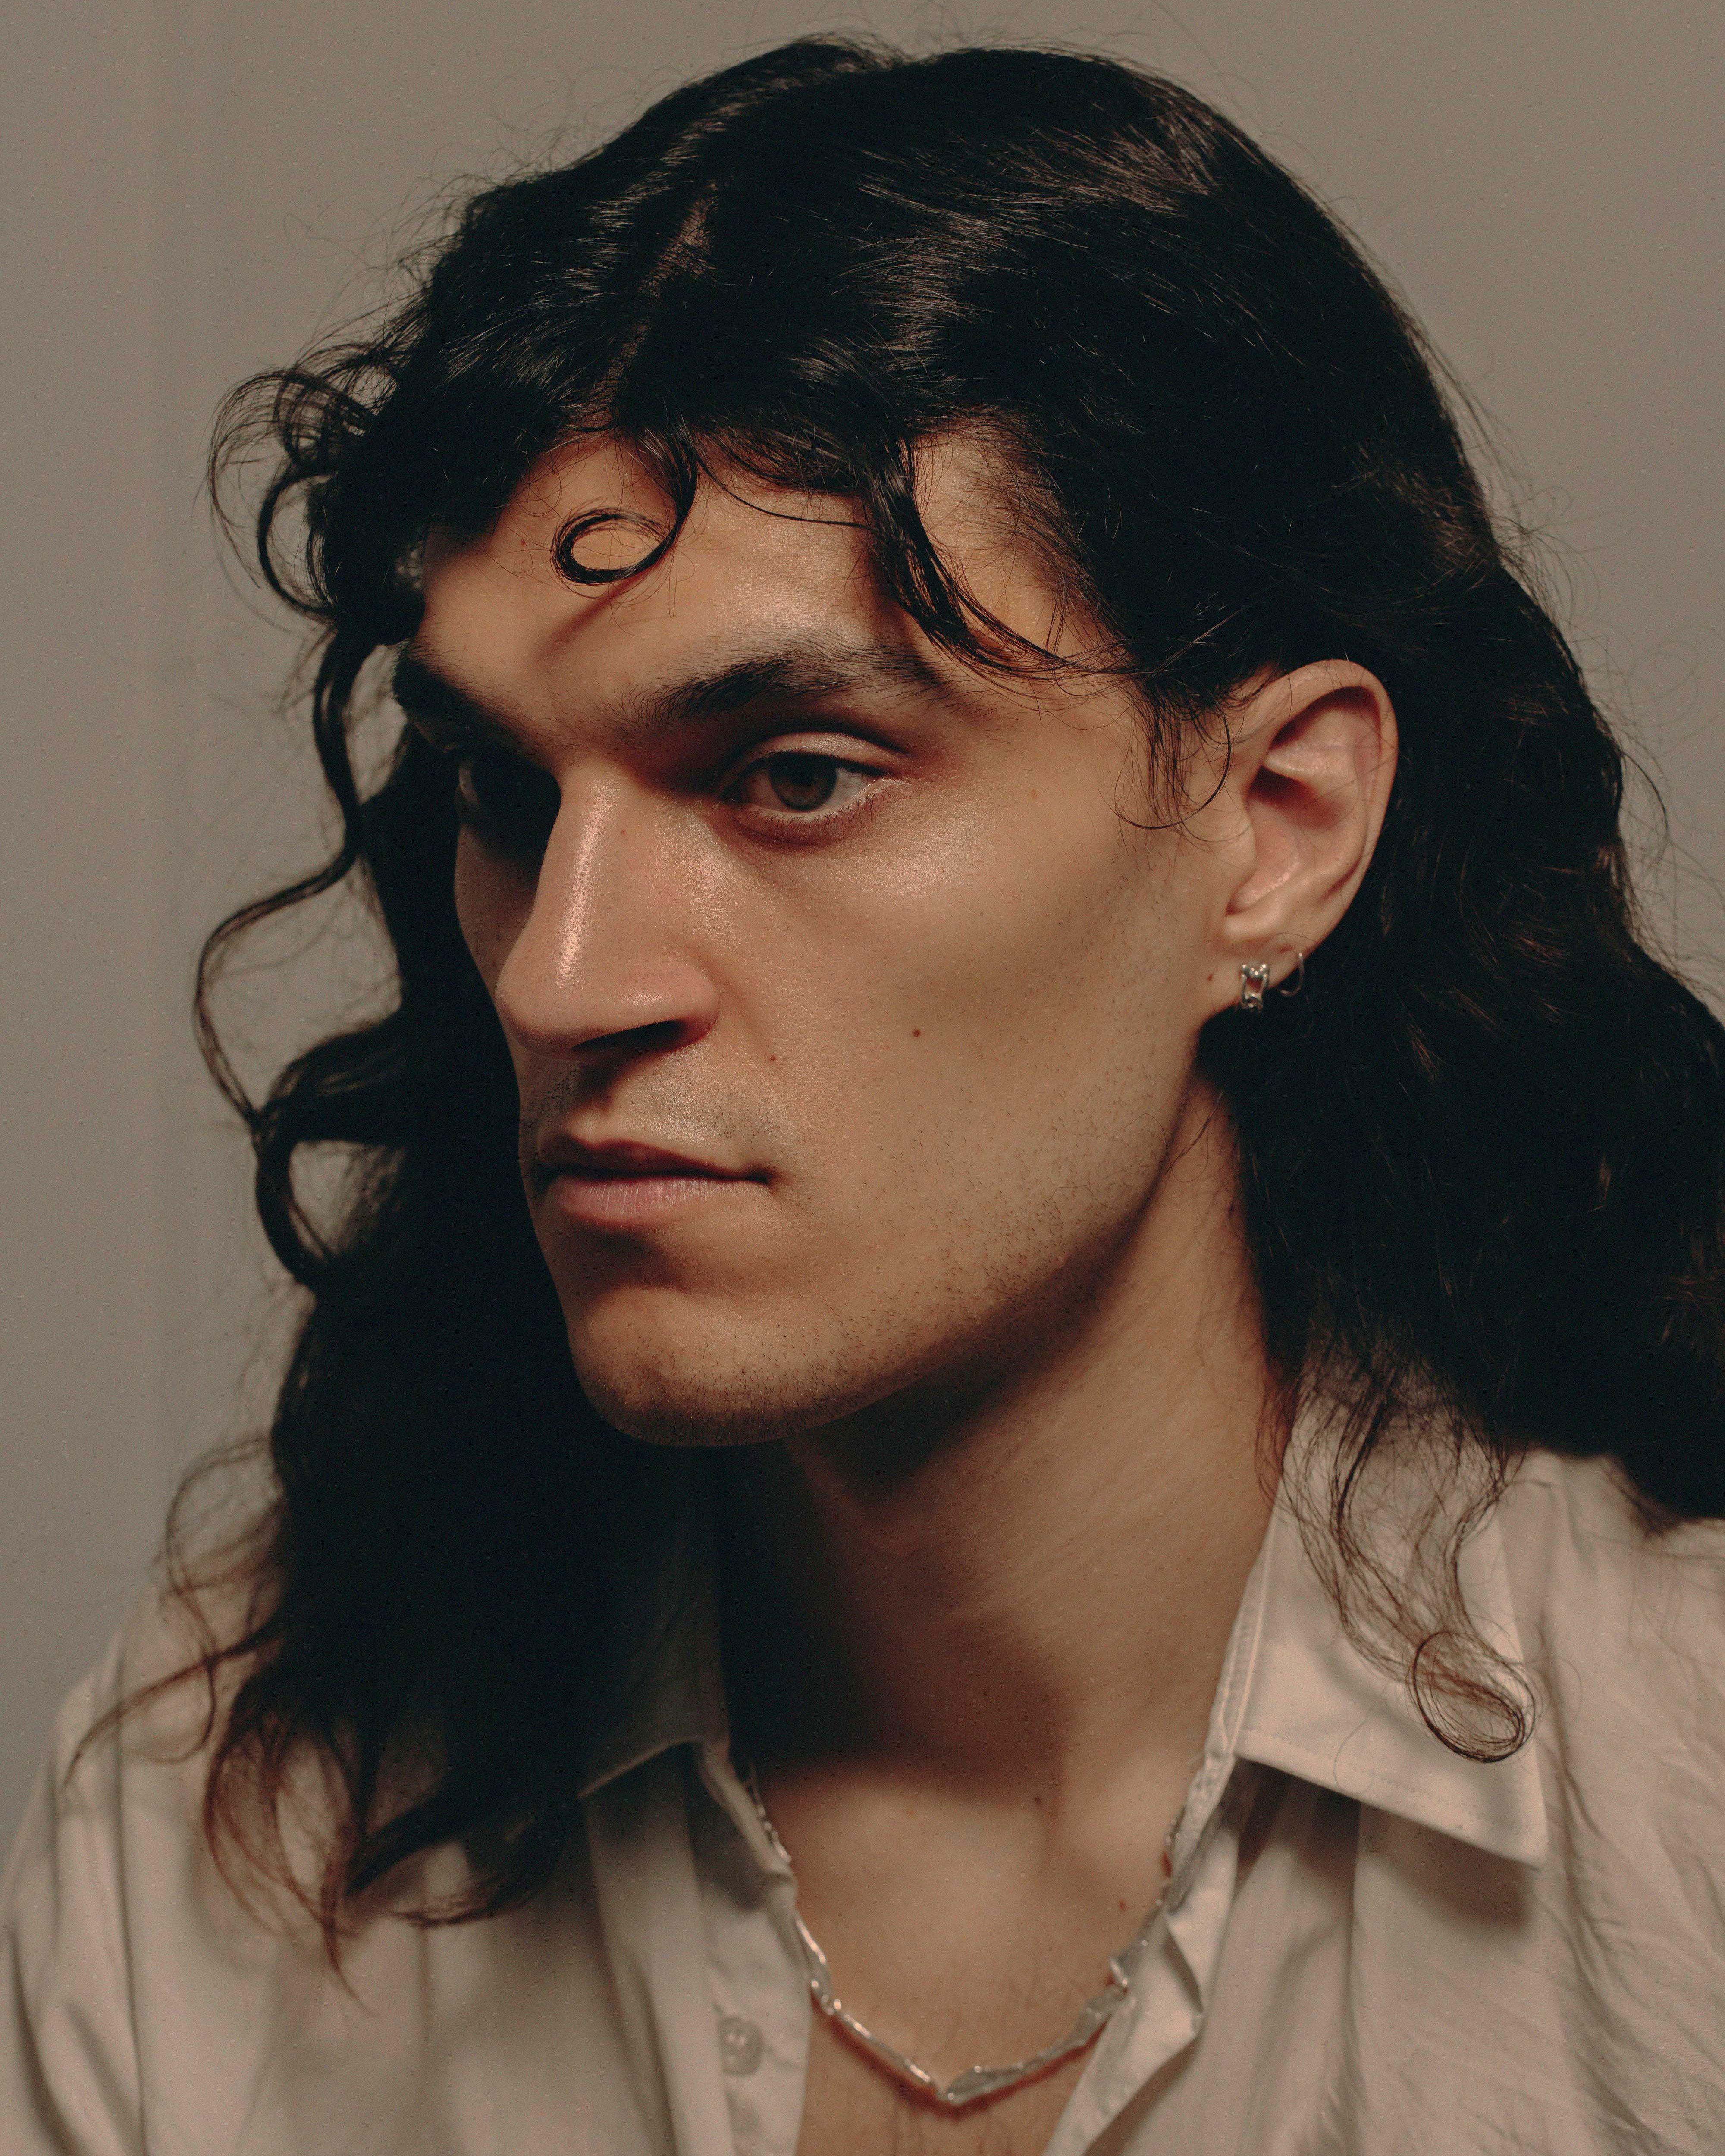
(522, 826)
(839, 764)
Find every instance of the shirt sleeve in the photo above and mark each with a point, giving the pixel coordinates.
(69, 2059)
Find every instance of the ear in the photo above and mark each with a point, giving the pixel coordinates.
(1295, 816)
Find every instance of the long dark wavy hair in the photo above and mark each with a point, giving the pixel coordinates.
(1480, 1153)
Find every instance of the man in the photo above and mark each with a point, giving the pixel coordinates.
(1041, 1535)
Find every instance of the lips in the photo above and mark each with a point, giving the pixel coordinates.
(617, 1158)
(623, 1189)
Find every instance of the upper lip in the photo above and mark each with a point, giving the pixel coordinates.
(558, 1153)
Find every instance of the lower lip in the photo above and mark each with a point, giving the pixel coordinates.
(629, 1201)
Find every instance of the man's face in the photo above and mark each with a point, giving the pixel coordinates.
(810, 903)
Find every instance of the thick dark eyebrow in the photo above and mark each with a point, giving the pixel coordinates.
(804, 673)
(446, 715)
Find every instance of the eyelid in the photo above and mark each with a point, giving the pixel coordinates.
(835, 747)
(781, 825)
(457, 747)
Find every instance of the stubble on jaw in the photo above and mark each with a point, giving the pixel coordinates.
(935, 1351)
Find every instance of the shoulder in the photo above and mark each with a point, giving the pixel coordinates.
(1602, 1593)
(136, 1984)
(118, 1807)
(121, 1816)
(132, 1740)
(114, 1878)
(100, 1762)
(1622, 1631)
(113, 1799)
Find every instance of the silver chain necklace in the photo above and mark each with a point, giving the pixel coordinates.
(975, 2081)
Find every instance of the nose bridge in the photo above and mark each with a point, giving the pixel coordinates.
(602, 949)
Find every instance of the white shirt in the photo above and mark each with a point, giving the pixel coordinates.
(1369, 1944)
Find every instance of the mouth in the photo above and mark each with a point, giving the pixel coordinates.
(625, 1184)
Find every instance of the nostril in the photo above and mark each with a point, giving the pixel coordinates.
(605, 1013)
(657, 1034)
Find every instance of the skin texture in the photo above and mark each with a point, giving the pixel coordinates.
(980, 1330)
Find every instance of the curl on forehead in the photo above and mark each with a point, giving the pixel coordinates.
(802, 598)
(762, 589)
(608, 513)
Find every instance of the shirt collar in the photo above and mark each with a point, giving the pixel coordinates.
(1297, 1692)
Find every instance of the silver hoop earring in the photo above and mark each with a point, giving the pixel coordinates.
(1255, 978)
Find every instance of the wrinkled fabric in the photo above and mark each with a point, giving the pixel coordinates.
(1370, 1944)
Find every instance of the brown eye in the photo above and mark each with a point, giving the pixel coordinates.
(802, 781)
(800, 784)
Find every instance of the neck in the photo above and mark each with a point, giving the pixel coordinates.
(1028, 1581)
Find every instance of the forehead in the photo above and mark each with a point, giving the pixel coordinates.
(754, 568)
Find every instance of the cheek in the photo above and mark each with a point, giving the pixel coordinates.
(958, 1017)
(1053, 1018)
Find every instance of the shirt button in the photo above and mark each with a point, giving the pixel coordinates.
(739, 2044)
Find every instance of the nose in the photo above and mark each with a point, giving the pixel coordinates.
(609, 947)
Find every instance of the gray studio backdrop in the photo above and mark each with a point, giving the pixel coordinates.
(195, 187)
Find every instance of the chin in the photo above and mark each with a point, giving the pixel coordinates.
(716, 1391)
(676, 1419)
